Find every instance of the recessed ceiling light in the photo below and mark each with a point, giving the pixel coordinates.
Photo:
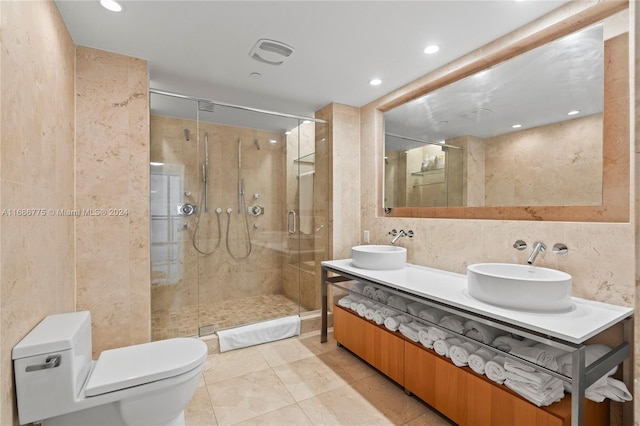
(574, 112)
(375, 82)
(273, 141)
(429, 50)
(288, 132)
(111, 5)
(517, 126)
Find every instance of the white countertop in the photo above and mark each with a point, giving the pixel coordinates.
(585, 320)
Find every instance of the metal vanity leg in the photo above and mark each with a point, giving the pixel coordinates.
(578, 386)
(323, 326)
(627, 372)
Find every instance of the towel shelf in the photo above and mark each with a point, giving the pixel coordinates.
(348, 328)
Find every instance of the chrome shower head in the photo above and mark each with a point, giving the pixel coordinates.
(187, 135)
(257, 144)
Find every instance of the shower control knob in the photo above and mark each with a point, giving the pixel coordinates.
(186, 209)
(255, 210)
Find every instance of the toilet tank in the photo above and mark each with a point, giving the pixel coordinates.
(46, 391)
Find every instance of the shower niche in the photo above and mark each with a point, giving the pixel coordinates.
(234, 265)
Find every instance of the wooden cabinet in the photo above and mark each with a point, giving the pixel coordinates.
(460, 394)
(375, 345)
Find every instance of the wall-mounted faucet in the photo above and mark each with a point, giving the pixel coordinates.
(538, 247)
(397, 235)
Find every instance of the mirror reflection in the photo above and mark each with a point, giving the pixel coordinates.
(504, 136)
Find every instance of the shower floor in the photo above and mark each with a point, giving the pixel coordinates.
(229, 313)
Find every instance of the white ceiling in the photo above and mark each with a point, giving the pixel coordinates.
(201, 48)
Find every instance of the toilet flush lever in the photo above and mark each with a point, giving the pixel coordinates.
(52, 361)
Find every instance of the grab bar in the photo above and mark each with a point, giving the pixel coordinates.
(291, 214)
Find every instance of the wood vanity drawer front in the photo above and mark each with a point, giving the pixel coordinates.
(377, 346)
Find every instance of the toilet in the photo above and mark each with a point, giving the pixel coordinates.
(57, 382)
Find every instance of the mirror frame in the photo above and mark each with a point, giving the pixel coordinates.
(616, 149)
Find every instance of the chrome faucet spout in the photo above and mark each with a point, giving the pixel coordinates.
(398, 236)
(538, 247)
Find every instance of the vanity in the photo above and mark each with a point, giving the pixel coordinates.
(457, 392)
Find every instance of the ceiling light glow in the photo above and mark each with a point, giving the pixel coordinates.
(375, 82)
(273, 141)
(111, 5)
(516, 126)
(429, 50)
(574, 112)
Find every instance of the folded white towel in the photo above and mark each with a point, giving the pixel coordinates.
(592, 353)
(393, 323)
(432, 315)
(460, 353)
(611, 388)
(381, 296)
(436, 334)
(357, 287)
(415, 308)
(424, 339)
(494, 369)
(369, 291)
(479, 359)
(410, 330)
(480, 332)
(536, 381)
(453, 323)
(443, 347)
(378, 318)
(551, 394)
(507, 343)
(398, 302)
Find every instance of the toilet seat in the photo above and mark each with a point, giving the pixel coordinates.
(136, 365)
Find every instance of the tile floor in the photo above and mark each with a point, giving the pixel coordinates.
(221, 314)
(300, 381)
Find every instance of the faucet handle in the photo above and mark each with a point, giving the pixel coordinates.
(393, 232)
(519, 245)
(560, 248)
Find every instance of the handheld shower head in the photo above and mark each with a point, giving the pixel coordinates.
(187, 134)
(257, 144)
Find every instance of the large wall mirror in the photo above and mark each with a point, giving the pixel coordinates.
(542, 135)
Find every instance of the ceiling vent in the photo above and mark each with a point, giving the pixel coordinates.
(271, 52)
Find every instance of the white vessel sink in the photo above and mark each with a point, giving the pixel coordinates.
(520, 287)
(378, 257)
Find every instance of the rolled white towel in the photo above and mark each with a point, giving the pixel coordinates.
(398, 302)
(507, 343)
(354, 304)
(432, 315)
(436, 334)
(460, 353)
(388, 312)
(424, 339)
(369, 291)
(480, 332)
(410, 330)
(363, 306)
(415, 308)
(611, 388)
(393, 323)
(479, 359)
(345, 302)
(378, 318)
(381, 296)
(443, 347)
(357, 287)
(371, 310)
(494, 369)
(453, 323)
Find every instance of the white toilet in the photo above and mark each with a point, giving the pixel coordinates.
(57, 383)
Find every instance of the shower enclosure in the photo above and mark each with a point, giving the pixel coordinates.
(239, 208)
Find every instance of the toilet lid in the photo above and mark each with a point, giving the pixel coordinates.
(139, 364)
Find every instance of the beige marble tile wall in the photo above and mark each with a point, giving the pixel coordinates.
(207, 279)
(575, 156)
(112, 177)
(36, 172)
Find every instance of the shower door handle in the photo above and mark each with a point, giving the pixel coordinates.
(291, 219)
